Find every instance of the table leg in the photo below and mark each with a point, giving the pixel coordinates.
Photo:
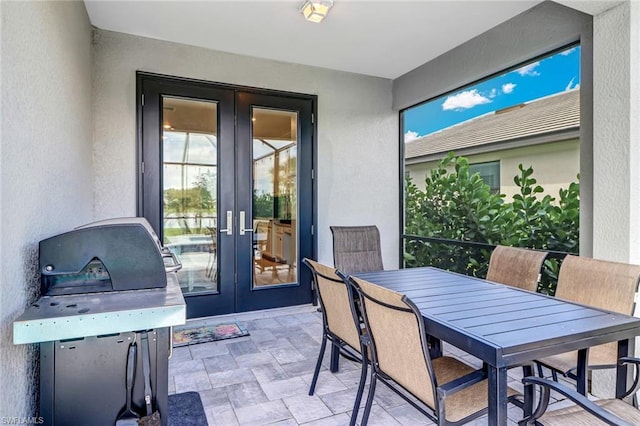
(435, 347)
(529, 391)
(497, 395)
(582, 371)
(621, 370)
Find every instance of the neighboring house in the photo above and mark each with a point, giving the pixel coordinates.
(543, 134)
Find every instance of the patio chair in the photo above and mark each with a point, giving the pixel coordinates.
(601, 284)
(264, 260)
(356, 249)
(340, 323)
(516, 267)
(451, 391)
(585, 412)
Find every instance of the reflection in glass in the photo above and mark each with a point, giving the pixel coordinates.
(275, 196)
(189, 148)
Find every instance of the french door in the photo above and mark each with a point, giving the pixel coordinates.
(225, 179)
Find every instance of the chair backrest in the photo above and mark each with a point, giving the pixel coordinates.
(337, 303)
(398, 341)
(262, 234)
(599, 283)
(516, 267)
(356, 249)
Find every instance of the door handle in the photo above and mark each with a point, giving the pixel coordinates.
(242, 228)
(229, 228)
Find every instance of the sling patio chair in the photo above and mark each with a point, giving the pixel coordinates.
(516, 267)
(601, 284)
(356, 249)
(585, 412)
(449, 391)
(341, 324)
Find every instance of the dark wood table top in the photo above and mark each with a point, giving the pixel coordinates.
(502, 325)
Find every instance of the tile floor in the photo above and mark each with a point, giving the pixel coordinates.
(264, 378)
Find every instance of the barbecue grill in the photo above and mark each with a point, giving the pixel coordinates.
(105, 286)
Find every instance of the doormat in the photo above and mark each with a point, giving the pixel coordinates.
(209, 333)
(185, 409)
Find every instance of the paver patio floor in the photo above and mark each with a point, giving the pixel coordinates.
(264, 378)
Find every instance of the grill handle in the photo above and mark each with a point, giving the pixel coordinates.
(175, 264)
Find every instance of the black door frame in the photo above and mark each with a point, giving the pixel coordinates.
(200, 305)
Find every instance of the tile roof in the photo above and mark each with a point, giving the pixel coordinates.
(551, 114)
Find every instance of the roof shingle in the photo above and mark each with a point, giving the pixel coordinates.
(547, 115)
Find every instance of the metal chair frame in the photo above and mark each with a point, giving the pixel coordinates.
(581, 382)
(437, 415)
(546, 386)
(343, 348)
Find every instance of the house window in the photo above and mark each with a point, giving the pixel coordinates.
(489, 172)
(526, 121)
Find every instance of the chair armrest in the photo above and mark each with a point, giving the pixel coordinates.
(573, 395)
(636, 373)
(461, 383)
(629, 360)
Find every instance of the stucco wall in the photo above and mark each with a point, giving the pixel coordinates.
(356, 127)
(46, 163)
(555, 166)
(616, 134)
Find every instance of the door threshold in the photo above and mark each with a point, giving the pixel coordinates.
(253, 315)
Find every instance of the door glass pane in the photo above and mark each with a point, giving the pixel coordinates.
(189, 190)
(275, 195)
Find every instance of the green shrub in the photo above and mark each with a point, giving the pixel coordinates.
(458, 205)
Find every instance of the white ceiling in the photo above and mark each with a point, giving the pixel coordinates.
(378, 38)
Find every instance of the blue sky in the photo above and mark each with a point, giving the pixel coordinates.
(545, 77)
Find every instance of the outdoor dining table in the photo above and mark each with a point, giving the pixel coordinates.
(504, 326)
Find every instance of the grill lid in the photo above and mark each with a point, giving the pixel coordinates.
(112, 255)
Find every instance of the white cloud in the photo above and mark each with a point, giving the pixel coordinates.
(493, 93)
(508, 88)
(568, 51)
(570, 85)
(464, 100)
(529, 69)
(410, 135)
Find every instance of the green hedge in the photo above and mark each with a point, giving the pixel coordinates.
(459, 205)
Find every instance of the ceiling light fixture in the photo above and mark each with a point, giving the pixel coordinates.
(315, 10)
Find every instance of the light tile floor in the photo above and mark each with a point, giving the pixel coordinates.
(264, 378)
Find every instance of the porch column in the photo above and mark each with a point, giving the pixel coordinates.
(616, 134)
(616, 145)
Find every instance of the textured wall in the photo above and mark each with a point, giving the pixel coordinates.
(616, 146)
(357, 129)
(45, 167)
(616, 134)
(634, 128)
